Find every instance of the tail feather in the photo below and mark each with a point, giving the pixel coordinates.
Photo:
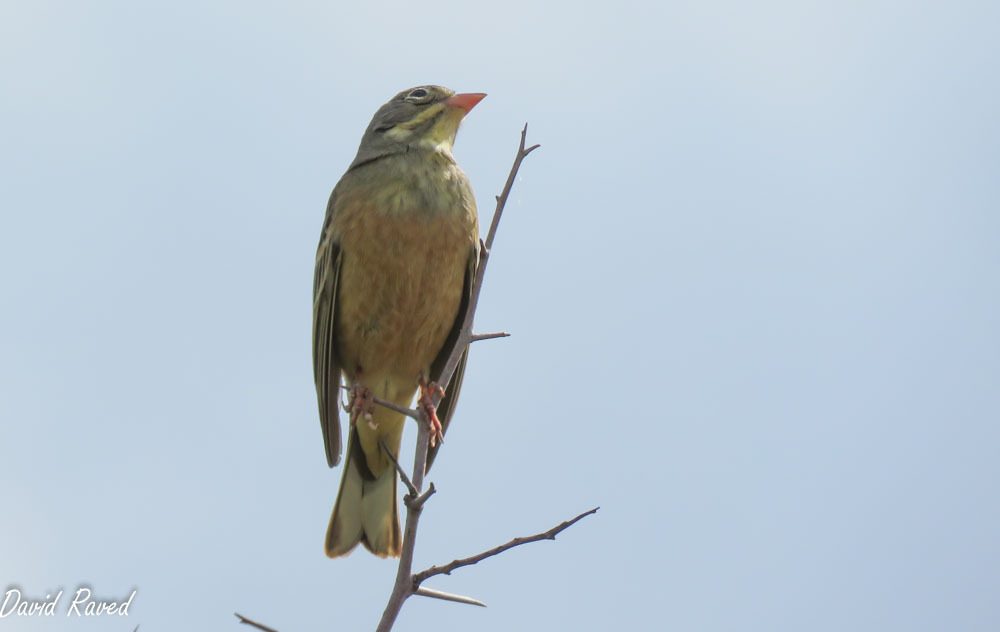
(379, 519)
(366, 509)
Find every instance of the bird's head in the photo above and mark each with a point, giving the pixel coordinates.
(426, 117)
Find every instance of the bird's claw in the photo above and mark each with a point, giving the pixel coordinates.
(361, 403)
(427, 391)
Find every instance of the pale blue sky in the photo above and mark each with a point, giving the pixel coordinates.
(752, 277)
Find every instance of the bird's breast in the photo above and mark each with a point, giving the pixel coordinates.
(405, 248)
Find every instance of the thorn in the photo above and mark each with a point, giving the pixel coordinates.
(437, 594)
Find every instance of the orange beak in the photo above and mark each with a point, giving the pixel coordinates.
(465, 102)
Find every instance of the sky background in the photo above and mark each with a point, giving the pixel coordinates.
(752, 276)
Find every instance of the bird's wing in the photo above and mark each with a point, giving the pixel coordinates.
(447, 407)
(326, 367)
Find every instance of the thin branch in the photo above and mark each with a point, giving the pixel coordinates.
(403, 587)
(402, 473)
(252, 623)
(409, 412)
(478, 337)
(437, 594)
(465, 335)
(522, 153)
(468, 561)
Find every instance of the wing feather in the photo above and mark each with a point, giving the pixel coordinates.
(326, 367)
(447, 407)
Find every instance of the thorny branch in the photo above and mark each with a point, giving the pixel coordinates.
(253, 624)
(469, 561)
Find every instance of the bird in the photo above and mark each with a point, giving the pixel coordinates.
(394, 269)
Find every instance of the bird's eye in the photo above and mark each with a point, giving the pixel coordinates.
(417, 94)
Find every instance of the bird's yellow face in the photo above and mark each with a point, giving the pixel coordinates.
(432, 127)
(424, 118)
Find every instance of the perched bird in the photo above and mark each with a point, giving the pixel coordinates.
(394, 271)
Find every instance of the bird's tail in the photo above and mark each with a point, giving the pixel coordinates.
(366, 509)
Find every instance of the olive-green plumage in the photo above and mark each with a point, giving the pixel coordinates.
(393, 270)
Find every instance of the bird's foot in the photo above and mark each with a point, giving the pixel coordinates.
(426, 393)
(360, 403)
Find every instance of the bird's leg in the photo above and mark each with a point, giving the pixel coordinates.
(426, 392)
(360, 402)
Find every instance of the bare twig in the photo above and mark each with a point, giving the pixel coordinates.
(437, 594)
(402, 473)
(469, 561)
(409, 412)
(478, 337)
(404, 586)
(465, 336)
(252, 623)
